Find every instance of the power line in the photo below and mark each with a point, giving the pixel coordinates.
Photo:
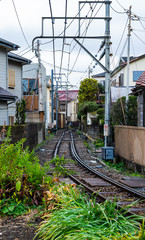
(20, 23)
(63, 37)
(121, 5)
(50, 64)
(117, 11)
(66, 27)
(85, 32)
(53, 34)
(138, 37)
(120, 40)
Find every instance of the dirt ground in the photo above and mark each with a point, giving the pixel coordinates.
(20, 228)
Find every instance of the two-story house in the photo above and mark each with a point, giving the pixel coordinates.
(72, 107)
(10, 81)
(119, 76)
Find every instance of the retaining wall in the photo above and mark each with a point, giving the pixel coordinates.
(130, 146)
(33, 132)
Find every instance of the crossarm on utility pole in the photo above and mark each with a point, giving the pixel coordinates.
(92, 56)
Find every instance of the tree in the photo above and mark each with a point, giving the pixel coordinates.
(125, 113)
(88, 90)
(20, 112)
(86, 107)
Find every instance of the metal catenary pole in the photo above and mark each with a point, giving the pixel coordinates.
(107, 74)
(52, 118)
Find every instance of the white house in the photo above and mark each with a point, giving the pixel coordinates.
(136, 68)
(10, 81)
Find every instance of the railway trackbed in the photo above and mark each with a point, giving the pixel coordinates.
(92, 175)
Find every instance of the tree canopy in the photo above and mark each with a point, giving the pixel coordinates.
(88, 90)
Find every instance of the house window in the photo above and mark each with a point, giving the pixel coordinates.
(136, 75)
(30, 86)
(11, 120)
(11, 78)
(113, 83)
(62, 107)
(121, 80)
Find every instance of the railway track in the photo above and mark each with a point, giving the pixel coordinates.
(94, 181)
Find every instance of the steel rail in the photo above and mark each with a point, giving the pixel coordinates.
(77, 157)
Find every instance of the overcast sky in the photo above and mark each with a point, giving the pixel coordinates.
(20, 22)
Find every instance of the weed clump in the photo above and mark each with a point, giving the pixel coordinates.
(22, 178)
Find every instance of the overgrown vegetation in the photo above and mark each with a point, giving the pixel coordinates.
(85, 107)
(23, 180)
(20, 112)
(72, 216)
(125, 113)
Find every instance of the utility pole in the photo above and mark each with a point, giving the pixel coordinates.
(52, 115)
(56, 104)
(128, 53)
(41, 105)
(107, 74)
(66, 113)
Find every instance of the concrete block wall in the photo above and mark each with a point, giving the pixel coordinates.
(33, 132)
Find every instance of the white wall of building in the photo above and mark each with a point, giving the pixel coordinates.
(3, 113)
(3, 68)
(138, 65)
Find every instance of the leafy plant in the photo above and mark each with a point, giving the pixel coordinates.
(73, 216)
(118, 166)
(85, 107)
(125, 113)
(59, 166)
(99, 143)
(22, 177)
(100, 117)
(20, 112)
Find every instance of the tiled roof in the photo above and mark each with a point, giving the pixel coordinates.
(6, 95)
(141, 80)
(72, 94)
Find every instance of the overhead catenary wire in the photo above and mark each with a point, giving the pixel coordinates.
(65, 23)
(117, 11)
(50, 64)
(20, 23)
(85, 32)
(66, 26)
(53, 35)
(119, 44)
(138, 37)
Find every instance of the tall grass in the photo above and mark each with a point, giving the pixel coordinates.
(76, 217)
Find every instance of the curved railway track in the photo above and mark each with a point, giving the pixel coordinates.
(94, 181)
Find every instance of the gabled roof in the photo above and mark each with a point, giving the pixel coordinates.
(8, 45)
(17, 58)
(99, 75)
(72, 94)
(6, 95)
(124, 59)
(122, 65)
(141, 81)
